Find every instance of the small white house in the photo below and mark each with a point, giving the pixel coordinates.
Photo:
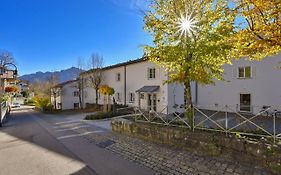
(65, 95)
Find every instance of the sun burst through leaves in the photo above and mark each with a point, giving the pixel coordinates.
(186, 25)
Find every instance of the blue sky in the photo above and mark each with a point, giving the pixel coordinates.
(47, 35)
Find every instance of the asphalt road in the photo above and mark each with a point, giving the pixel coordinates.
(31, 144)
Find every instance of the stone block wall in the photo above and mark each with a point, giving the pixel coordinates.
(205, 143)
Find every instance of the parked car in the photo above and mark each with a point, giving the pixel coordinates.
(15, 105)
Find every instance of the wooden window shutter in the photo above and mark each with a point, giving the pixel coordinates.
(254, 72)
(234, 73)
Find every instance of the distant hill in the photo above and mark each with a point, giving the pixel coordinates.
(63, 75)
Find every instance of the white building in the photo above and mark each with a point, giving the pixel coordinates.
(247, 86)
(138, 83)
(65, 95)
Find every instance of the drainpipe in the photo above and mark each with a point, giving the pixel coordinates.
(125, 85)
(196, 93)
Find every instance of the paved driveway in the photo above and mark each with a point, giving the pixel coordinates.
(33, 143)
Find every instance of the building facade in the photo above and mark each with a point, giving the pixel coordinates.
(138, 83)
(247, 86)
(65, 96)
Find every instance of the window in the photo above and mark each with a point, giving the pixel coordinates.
(59, 105)
(76, 105)
(76, 93)
(141, 96)
(151, 73)
(244, 72)
(118, 96)
(131, 97)
(245, 102)
(99, 95)
(118, 77)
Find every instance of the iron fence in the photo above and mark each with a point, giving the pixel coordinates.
(160, 118)
(260, 121)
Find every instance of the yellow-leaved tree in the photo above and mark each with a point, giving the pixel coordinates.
(191, 39)
(107, 92)
(258, 26)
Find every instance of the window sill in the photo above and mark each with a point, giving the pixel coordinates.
(244, 78)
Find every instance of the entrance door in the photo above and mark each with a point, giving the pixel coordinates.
(149, 102)
(245, 102)
(152, 102)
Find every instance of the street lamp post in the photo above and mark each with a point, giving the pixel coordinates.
(4, 70)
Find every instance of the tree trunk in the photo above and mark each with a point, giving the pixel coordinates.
(97, 99)
(189, 104)
(188, 96)
(55, 97)
(109, 104)
(104, 104)
(80, 100)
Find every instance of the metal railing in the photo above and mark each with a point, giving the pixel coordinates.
(232, 121)
(160, 118)
(3, 112)
(227, 119)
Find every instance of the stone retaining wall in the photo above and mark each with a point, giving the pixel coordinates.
(206, 143)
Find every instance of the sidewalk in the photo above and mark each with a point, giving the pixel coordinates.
(92, 152)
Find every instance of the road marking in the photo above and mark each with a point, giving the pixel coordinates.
(71, 121)
(68, 125)
(73, 128)
(78, 135)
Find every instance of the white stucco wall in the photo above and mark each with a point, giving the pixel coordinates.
(264, 86)
(137, 77)
(67, 97)
(176, 96)
(108, 78)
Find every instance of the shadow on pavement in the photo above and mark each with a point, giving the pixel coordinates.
(22, 126)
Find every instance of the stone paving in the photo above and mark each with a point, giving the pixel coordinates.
(162, 159)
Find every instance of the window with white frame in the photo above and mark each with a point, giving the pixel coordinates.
(131, 97)
(118, 96)
(151, 73)
(76, 93)
(244, 72)
(76, 105)
(118, 77)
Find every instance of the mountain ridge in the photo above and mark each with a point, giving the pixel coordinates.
(63, 75)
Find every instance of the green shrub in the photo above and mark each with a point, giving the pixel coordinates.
(104, 115)
(43, 103)
(29, 102)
